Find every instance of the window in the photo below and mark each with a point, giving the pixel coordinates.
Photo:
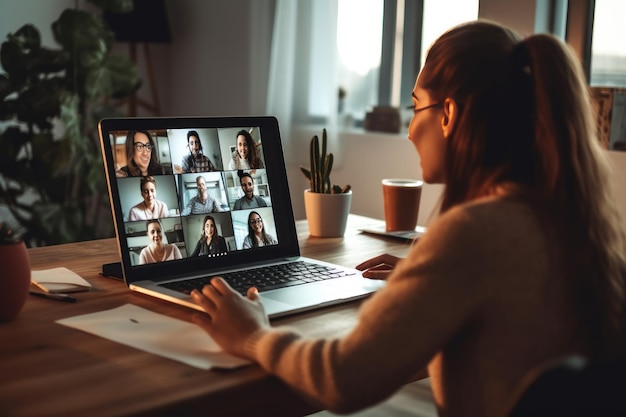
(382, 44)
(359, 48)
(608, 45)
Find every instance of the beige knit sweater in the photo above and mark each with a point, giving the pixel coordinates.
(477, 300)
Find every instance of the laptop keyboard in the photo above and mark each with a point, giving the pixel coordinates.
(266, 278)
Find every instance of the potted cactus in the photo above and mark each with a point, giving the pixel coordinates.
(327, 206)
(15, 276)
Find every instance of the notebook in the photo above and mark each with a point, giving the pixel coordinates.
(193, 216)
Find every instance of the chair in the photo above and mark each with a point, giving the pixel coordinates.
(574, 387)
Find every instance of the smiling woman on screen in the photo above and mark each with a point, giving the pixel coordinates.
(141, 154)
(157, 251)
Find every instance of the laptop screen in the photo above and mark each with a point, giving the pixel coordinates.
(194, 195)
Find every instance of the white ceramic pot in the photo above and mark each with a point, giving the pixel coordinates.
(327, 214)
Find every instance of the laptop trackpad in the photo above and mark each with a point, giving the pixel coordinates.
(305, 295)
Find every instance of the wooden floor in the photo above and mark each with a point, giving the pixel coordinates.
(413, 400)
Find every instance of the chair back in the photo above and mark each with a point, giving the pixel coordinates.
(575, 387)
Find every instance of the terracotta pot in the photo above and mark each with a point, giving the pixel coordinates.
(327, 214)
(14, 279)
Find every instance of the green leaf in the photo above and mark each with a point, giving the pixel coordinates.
(70, 116)
(306, 173)
(14, 60)
(12, 142)
(117, 77)
(27, 37)
(116, 6)
(38, 104)
(85, 35)
(5, 86)
(123, 76)
(49, 61)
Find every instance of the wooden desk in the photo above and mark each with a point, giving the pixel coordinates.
(48, 369)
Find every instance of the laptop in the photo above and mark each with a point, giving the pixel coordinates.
(163, 221)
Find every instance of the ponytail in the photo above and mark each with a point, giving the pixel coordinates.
(577, 176)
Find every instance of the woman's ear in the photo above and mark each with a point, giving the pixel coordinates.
(450, 116)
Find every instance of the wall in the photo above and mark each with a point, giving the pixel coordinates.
(218, 60)
(519, 15)
(366, 159)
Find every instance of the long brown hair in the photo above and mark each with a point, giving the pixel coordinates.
(525, 121)
(203, 236)
(254, 161)
(252, 235)
(154, 168)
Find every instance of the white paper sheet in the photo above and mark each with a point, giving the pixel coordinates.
(157, 334)
(59, 280)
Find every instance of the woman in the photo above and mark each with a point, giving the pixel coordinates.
(210, 242)
(246, 155)
(524, 265)
(157, 251)
(256, 233)
(150, 207)
(141, 154)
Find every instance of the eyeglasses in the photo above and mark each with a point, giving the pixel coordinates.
(141, 146)
(255, 221)
(430, 106)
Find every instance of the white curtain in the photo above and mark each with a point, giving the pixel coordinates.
(303, 79)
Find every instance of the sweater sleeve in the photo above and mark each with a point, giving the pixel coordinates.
(399, 331)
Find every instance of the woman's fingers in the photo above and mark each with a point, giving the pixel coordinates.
(384, 259)
(221, 286)
(381, 271)
(253, 294)
(205, 298)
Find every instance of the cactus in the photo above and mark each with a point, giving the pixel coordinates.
(321, 167)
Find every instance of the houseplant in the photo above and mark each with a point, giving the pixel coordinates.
(51, 171)
(327, 206)
(15, 276)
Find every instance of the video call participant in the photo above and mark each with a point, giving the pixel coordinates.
(249, 200)
(141, 155)
(256, 233)
(246, 155)
(202, 203)
(195, 160)
(157, 251)
(150, 207)
(210, 241)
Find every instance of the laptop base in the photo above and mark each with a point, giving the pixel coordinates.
(113, 270)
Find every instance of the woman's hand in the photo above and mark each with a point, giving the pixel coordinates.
(379, 267)
(230, 319)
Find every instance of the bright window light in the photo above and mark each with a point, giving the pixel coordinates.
(608, 47)
(359, 34)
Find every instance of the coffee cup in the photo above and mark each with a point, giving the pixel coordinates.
(401, 199)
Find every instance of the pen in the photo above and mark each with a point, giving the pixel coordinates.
(53, 296)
